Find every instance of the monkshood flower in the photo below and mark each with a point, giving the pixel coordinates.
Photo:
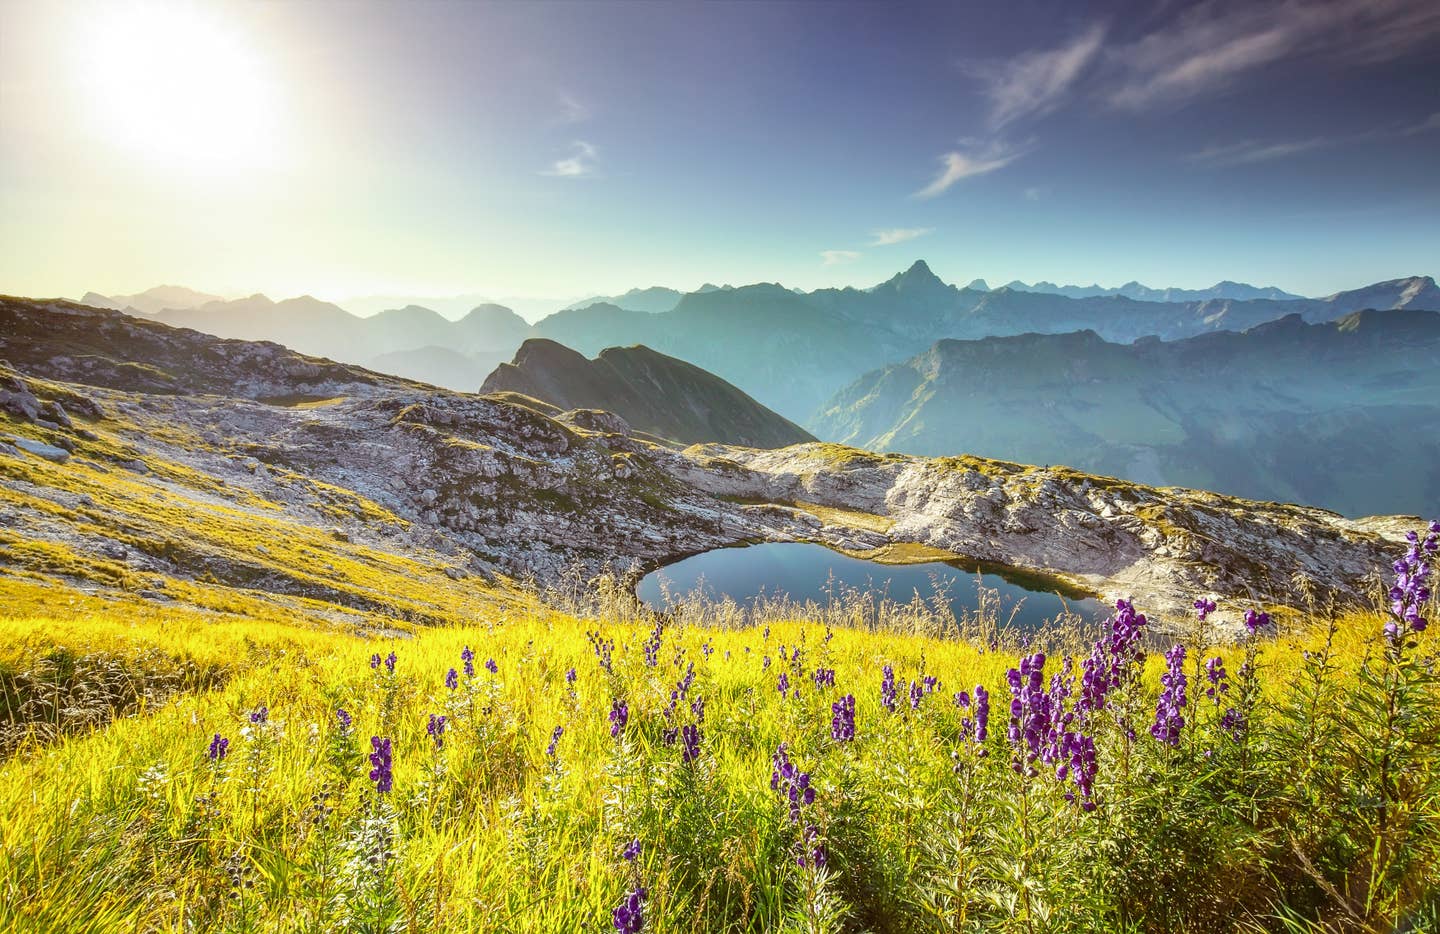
(1169, 716)
(917, 694)
(375, 661)
(931, 683)
(619, 716)
(765, 663)
(381, 765)
(570, 676)
(788, 781)
(697, 707)
(491, 667)
(887, 688)
(1204, 608)
(824, 677)
(554, 741)
(1256, 621)
(842, 723)
(436, 729)
(603, 649)
(468, 658)
(1411, 591)
(219, 748)
(452, 679)
(631, 851)
(260, 714)
(706, 649)
(690, 742)
(1218, 677)
(982, 714)
(343, 717)
(651, 646)
(390, 661)
(783, 684)
(627, 917)
(1030, 709)
(766, 635)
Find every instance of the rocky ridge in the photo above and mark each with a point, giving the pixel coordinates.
(515, 488)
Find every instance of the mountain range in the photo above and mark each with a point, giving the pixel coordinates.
(654, 393)
(1343, 414)
(1233, 291)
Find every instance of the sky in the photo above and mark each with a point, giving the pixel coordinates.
(567, 149)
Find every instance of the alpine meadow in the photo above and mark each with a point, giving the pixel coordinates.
(551, 493)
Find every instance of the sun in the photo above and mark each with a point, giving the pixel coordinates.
(178, 86)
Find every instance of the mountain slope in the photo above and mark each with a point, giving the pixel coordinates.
(654, 393)
(1234, 291)
(187, 460)
(1344, 414)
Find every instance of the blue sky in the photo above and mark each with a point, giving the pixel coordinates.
(561, 149)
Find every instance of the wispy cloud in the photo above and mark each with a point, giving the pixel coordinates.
(961, 164)
(579, 164)
(839, 257)
(571, 108)
(1428, 125)
(1213, 44)
(1035, 83)
(1246, 152)
(894, 235)
(1033, 193)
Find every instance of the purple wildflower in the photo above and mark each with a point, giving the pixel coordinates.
(375, 661)
(554, 741)
(381, 765)
(887, 688)
(1169, 716)
(570, 676)
(627, 917)
(390, 661)
(1218, 677)
(436, 729)
(842, 724)
(917, 693)
(824, 677)
(260, 714)
(631, 851)
(1411, 591)
(468, 658)
(982, 714)
(343, 717)
(1203, 608)
(690, 740)
(1256, 621)
(452, 679)
(783, 684)
(603, 649)
(697, 707)
(491, 667)
(219, 748)
(619, 716)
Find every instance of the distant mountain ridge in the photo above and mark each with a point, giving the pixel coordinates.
(1227, 290)
(654, 393)
(1343, 414)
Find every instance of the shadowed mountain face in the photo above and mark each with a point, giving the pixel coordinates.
(654, 393)
(1344, 414)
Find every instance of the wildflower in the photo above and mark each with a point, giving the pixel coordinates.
(627, 917)
(1218, 677)
(887, 688)
(1410, 592)
(603, 649)
(690, 741)
(917, 693)
(842, 724)
(219, 748)
(789, 781)
(783, 684)
(1169, 719)
(1204, 608)
(375, 661)
(982, 714)
(381, 765)
(436, 729)
(631, 851)
(260, 714)
(554, 741)
(452, 679)
(468, 658)
(697, 707)
(619, 716)
(651, 646)
(570, 676)
(824, 677)
(765, 663)
(390, 661)
(491, 667)
(1256, 621)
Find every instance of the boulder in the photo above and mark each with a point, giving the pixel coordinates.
(40, 449)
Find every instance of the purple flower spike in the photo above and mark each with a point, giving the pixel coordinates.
(260, 714)
(842, 724)
(381, 765)
(436, 729)
(554, 741)
(1256, 621)
(887, 688)
(690, 740)
(619, 716)
(219, 748)
(1169, 715)
(491, 667)
(452, 679)
(627, 917)
(1204, 608)
(343, 717)
(631, 851)
(468, 657)
(390, 661)
(375, 661)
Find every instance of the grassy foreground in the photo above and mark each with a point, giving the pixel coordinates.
(175, 769)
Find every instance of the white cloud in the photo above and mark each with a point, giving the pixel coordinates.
(895, 235)
(1250, 151)
(958, 165)
(580, 164)
(571, 109)
(1033, 193)
(1035, 83)
(1213, 44)
(839, 257)
(1427, 125)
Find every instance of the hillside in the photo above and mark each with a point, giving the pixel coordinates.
(1286, 411)
(500, 485)
(654, 393)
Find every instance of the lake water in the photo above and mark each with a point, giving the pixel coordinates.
(812, 572)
